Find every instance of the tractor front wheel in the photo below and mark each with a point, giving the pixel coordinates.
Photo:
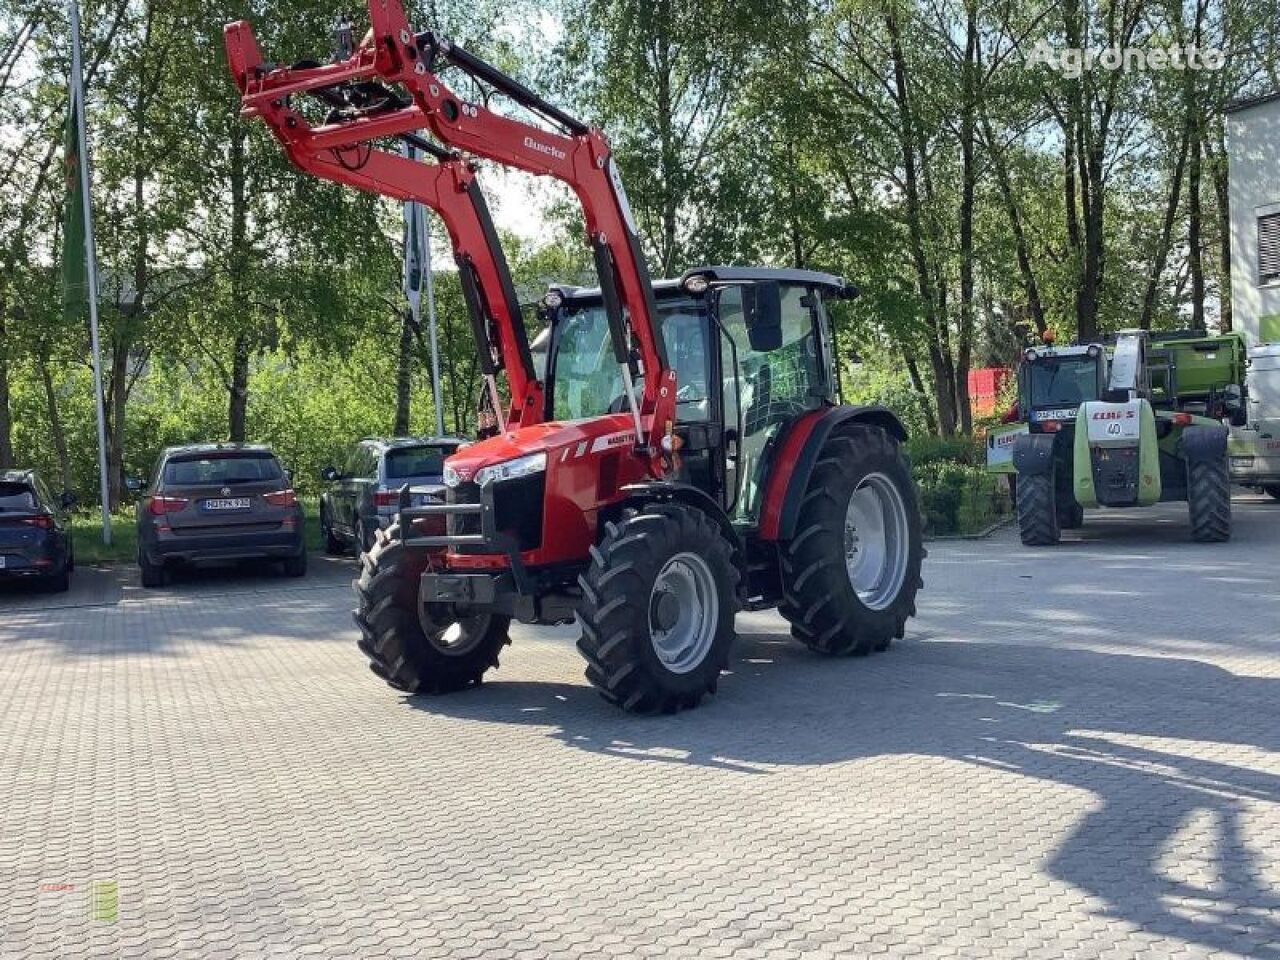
(657, 609)
(418, 651)
(851, 572)
(1209, 500)
(1038, 519)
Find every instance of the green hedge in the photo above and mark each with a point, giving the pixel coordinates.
(957, 495)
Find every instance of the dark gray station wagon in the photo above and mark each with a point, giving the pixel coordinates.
(219, 502)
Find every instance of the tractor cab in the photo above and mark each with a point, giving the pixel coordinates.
(752, 352)
(1054, 382)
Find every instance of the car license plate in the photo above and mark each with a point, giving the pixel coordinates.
(228, 503)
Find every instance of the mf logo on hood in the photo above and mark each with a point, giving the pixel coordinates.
(546, 148)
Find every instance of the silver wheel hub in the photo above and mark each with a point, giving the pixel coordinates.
(684, 611)
(454, 637)
(877, 541)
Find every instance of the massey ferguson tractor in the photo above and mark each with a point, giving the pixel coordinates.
(684, 456)
(1094, 439)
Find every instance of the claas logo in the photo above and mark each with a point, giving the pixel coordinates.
(1114, 415)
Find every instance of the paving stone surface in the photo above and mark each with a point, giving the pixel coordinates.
(1074, 753)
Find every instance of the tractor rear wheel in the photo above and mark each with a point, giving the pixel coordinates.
(851, 572)
(657, 609)
(1038, 521)
(412, 649)
(1209, 500)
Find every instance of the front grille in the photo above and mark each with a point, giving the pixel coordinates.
(517, 510)
(1115, 475)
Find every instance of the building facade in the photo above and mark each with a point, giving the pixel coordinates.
(1253, 148)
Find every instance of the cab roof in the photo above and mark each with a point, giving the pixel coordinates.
(674, 285)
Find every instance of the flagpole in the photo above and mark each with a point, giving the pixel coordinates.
(91, 259)
(430, 286)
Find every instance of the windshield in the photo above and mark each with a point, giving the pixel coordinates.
(1063, 381)
(225, 470)
(404, 462)
(588, 381)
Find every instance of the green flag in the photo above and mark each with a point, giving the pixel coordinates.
(75, 273)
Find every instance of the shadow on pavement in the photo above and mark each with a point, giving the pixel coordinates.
(1137, 732)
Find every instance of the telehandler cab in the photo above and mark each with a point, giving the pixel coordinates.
(645, 505)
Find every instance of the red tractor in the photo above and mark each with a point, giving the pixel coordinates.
(685, 455)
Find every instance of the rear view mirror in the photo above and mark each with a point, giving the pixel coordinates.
(329, 474)
(762, 311)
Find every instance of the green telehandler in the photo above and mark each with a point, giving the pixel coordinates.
(1094, 438)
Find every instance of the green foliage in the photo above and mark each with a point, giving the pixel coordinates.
(958, 498)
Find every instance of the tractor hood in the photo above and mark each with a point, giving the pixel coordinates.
(560, 441)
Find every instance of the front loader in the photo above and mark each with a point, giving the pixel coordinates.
(1094, 439)
(690, 457)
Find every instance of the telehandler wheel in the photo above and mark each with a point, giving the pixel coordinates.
(1209, 500)
(657, 609)
(1038, 523)
(850, 574)
(418, 652)
(1070, 517)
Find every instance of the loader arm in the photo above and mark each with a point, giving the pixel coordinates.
(347, 152)
(574, 153)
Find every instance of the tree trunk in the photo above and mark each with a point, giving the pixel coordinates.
(239, 405)
(117, 400)
(404, 375)
(1218, 162)
(238, 388)
(917, 383)
(1166, 235)
(968, 179)
(944, 396)
(1025, 270)
(6, 416)
(55, 423)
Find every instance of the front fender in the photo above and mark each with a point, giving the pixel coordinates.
(1033, 454)
(660, 491)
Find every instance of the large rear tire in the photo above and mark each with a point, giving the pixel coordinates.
(1038, 524)
(1209, 500)
(657, 609)
(851, 573)
(428, 651)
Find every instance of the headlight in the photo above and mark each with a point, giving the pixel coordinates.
(512, 469)
(451, 478)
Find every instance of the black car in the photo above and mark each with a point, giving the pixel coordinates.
(219, 502)
(364, 495)
(35, 536)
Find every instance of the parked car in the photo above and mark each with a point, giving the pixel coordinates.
(217, 502)
(35, 532)
(364, 495)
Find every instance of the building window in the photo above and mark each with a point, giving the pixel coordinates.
(1269, 249)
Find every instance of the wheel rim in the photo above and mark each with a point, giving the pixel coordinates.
(684, 610)
(457, 637)
(876, 541)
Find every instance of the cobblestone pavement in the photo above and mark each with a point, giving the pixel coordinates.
(1074, 753)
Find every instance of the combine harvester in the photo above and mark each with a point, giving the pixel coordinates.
(649, 507)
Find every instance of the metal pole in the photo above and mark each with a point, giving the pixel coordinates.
(430, 290)
(418, 282)
(91, 259)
